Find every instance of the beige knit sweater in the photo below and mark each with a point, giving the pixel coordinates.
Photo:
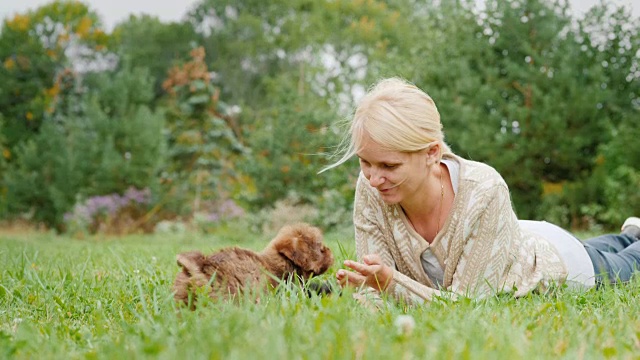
(480, 247)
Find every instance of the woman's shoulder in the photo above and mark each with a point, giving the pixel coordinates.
(477, 172)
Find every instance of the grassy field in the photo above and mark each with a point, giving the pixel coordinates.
(110, 298)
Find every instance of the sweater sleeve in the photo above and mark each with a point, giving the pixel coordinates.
(369, 239)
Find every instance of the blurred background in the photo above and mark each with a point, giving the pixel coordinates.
(166, 117)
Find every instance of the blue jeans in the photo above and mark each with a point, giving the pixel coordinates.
(615, 257)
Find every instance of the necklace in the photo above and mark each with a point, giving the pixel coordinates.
(439, 210)
(441, 201)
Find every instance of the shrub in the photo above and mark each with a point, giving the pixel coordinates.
(290, 209)
(5, 154)
(202, 143)
(213, 214)
(113, 213)
(289, 140)
(90, 145)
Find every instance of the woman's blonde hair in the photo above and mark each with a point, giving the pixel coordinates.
(398, 116)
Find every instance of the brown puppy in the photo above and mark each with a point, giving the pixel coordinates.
(296, 250)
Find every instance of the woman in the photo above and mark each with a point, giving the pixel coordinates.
(429, 223)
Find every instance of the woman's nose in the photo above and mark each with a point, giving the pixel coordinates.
(375, 178)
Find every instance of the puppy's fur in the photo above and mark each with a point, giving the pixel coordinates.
(296, 250)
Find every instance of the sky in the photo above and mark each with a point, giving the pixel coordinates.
(115, 11)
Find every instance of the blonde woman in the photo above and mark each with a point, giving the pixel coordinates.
(429, 223)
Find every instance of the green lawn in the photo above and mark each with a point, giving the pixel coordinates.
(111, 298)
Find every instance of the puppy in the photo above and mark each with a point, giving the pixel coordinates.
(296, 250)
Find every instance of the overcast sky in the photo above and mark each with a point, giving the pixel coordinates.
(114, 11)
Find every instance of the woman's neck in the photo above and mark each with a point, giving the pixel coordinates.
(427, 197)
(430, 206)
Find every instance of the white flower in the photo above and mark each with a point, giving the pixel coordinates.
(405, 324)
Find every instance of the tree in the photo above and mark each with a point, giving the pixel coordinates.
(608, 194)
(103, 139)
(4, 156)
(145, 41)
(201, 142)
(293, 68)
(507, 82)
(33, 49)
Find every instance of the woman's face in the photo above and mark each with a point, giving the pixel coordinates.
(396, 175)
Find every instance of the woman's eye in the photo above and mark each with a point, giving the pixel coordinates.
(389, 166)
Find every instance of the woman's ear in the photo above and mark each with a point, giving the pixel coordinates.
(433, 153)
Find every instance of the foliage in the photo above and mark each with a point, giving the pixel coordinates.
(293, 68)
(58, 295)
(34, 48)
(113, 213)
(497, 75)
(616, 179)
(145, 41)
(603, 190)
(217, 213)
(202, 144)
(101, 141)
(5, 154)
(330, 210)
(288, 141)
(547, 98)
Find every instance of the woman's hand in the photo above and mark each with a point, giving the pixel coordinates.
(372, 272)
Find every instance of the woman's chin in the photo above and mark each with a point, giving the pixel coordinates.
(390, 199)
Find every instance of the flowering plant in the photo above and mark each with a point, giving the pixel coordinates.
(99, 213)
(217, 212)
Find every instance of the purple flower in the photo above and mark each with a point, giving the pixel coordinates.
(212, 217)
(109, 205)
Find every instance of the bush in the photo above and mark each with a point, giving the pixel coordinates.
(202, 143)
(5, 154)
(605, 197)
(111, 214)
(289, 140)
(213, 214)
(89, 146)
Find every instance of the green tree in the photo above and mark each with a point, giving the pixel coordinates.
(539, 62)
(99, 141)
(509, 80)
(4, 156)
(293, 68)
(33, 50)
(610, 39)
(145, 41)
(202, 144)
(287, 146)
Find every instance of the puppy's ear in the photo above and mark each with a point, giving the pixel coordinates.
(191, 263)
(286, 247)
(296, 244)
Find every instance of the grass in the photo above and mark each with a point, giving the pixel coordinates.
(111, 299)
